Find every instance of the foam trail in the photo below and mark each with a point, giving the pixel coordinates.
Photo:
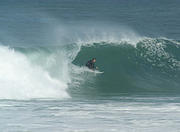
(22, 80)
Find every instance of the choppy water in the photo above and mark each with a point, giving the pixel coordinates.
(45, 86)
(150, 114)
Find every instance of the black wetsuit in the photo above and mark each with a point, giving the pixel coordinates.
(91, 65)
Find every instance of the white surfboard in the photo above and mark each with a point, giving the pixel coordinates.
(92, 71)
(99, 72)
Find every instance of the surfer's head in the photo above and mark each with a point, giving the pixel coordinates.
(94, 60)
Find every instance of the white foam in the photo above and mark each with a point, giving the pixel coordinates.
(156, 53)
(20, 79)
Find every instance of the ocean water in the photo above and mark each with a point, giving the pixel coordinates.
(45, 87)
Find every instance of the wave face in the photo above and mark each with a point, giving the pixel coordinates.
(150, 65)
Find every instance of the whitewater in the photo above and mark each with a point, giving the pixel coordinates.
(45, 86)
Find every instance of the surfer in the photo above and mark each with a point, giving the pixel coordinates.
(91, 64)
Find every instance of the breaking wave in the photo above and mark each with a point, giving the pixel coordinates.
(130, 65)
